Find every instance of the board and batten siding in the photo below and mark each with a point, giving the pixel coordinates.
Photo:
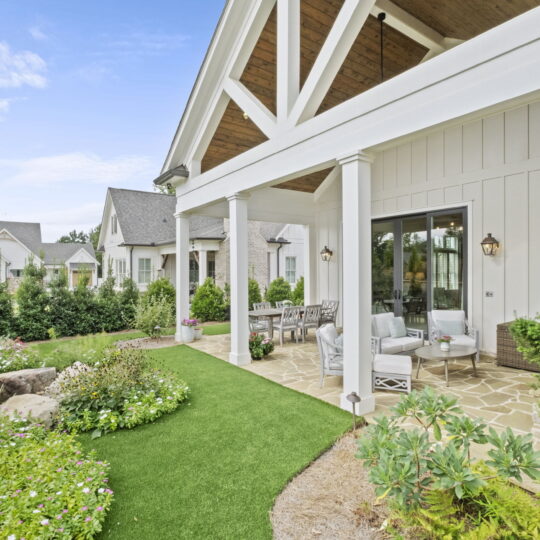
(492, 164)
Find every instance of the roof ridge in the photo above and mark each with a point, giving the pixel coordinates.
(141, 191)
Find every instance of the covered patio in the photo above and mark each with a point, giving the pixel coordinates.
(498, 394)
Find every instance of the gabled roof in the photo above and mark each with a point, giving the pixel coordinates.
(270, 231)
(28, 234)
(147, 218)
(59, 253)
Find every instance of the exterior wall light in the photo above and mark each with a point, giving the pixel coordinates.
(489, 245)
(326, 254)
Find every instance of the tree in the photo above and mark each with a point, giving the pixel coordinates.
(208, 303)
(62, 306)
(33, 321)
(77, 237)
(109, 305)
(254, 293)
(87, 320)
(298, 293)
(6, 311)
(278, 291)
(129, 299)
(93, 238)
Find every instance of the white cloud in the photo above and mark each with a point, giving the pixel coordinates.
(77, 167)
(4, 106)
(37, 33)
(21, 68)
(144, 43)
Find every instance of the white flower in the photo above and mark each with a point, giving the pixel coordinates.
(59, 493)
(86, 490)
(100, 490)
(36, 511)
(33, 494)
(80, 484)
(44, 522)
(11, 537)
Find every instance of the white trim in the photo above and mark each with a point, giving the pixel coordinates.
(87, 253)
(22, 245)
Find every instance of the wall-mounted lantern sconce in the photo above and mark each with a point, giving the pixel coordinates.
(489, 245)
(326, 254)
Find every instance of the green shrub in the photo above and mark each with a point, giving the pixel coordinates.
(208, 303)
(278, 291)
(62, 307)
(6, 311)
(120, 391)
(429, 470)
(129, 299)
(33, 318)
(526, 333)
(13, 356)
(109, 307)
(153, 316)
(87, 319)
(254, 293)
(162, 288)
(49, 488)
(298, 293)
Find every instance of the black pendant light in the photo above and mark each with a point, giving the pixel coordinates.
(381, 16)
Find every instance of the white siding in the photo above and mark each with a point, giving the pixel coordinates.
(493, 165)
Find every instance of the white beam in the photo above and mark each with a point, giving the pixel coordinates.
(343, 33)
(203, 265)
(182, 272)
(407, 24)
(252, 106)
(288, 56)
(238, 215)
(311, 254)
(356, 204)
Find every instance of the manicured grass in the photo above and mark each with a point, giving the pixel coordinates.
(213, 468)
(217, 329)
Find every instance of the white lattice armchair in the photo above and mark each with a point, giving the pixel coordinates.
(453, 323)
(330, 352)
(390, 336)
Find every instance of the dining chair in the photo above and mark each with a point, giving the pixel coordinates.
(261, 305)
(289, 321)
(329, 310)
(283, 303)
(311, 318)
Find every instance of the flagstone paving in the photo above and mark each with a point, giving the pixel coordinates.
(498, 394)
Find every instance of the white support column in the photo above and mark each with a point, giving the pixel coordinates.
(356, 195)
(182, 271)
(203, 265)
(238, 234)
(310, 265)
(288, 56)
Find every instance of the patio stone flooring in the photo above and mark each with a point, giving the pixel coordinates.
(499, 395)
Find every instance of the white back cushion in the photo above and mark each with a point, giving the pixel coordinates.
(329, 333)
(449, 315)
(380, 326)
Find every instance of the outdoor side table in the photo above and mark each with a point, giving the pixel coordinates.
(433, 352)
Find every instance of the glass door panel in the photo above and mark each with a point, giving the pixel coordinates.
(412, 293)
(447, 261)
(382, 260)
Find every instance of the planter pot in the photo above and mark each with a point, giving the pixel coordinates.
(197, 333)
(187, 334)
(445, 346)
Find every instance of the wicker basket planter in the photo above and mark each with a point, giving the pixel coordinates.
(507, 353)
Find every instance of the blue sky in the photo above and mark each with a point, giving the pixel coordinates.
(90, 96)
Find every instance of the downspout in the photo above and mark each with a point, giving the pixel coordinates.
(131, 262)
(277, 261)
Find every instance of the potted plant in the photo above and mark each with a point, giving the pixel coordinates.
(188, 333)
(197, 332)
(268, 346)
(444, 342)
(256, 348)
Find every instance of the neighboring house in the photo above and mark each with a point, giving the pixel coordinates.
(20, 242)
(399, 143)
(138, 241)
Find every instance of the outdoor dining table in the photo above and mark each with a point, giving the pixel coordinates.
(270, 315)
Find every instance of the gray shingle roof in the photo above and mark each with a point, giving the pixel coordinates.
(270, 231)
(27, 233)
(147, 218)
(30, 235)
(59, 252)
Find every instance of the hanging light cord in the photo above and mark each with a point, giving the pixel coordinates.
(381, 18)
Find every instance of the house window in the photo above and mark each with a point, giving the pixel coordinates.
(145, 270)
(114, 224)
(121, 270)
(16, 273)
(290, 269)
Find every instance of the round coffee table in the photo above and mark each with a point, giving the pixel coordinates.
(433, 352)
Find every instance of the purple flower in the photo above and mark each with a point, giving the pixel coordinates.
(88, 518)
(99, 508)
(84, 508)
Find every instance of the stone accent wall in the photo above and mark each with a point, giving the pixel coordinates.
(258, 256)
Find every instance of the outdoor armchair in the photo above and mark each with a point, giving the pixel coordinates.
(387, 339)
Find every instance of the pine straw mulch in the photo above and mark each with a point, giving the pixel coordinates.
(332, 499)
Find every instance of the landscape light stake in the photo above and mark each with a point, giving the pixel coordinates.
(354, 398)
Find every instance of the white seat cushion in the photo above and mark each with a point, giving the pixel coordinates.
(380, 324)
(390, 363)
(397, 345)
(465, 340)
(329, 333)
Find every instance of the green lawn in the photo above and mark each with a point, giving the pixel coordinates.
(217, 329)
(213, 468)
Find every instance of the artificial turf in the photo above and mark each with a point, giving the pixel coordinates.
(212, 469)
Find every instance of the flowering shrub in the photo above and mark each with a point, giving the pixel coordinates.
(259, 346)
(13, 356)
(48, 487)
(121, 391)
(153, 316)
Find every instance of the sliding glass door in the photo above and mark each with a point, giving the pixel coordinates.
(419, 264)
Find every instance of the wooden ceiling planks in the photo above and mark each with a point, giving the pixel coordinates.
(234, 135)
(308, 183)
(461, 19)
(464, 19)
